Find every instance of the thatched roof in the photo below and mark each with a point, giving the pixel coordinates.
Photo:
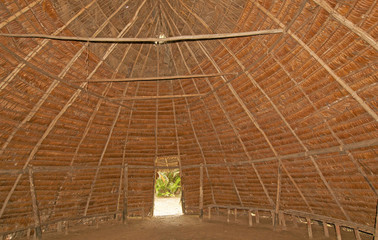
(285, 121)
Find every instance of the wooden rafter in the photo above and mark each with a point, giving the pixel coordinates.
(206, 110)
(275, 108)
(71, 100)
(200, 37)
(37, 49)
(344, 21)
(19, 13)
(143, 79)
(20, 66)
(110, 132)
(338, 79)
(229, 120)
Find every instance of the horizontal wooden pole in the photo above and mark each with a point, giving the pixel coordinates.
(162, 78)
(326, 219)
(362, 144)
(147, 40)
(322, 218)
(158, 97)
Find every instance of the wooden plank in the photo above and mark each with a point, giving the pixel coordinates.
(37, 219)
(199, 37)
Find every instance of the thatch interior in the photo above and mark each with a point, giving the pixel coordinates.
(291, 126)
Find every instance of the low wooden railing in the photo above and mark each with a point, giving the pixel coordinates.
(295, 215)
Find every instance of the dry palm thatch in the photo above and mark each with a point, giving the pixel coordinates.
(285, 122)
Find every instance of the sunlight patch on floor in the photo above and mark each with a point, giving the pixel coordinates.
(167, 206)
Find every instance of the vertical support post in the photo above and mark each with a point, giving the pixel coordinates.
(228, 215)
(67, 226)
(325, 228)
(272, 213)
(125, 192)
(376, 223)
(338, 233)
(209, 213)
(257, 216)
(59, 227)
(295, 220)
(201, 192)
(28, 233)
(250, 218)
(236, 214)
(276, 220)
(282, 220)
(37, 219)
(357, 234)
(309, 228)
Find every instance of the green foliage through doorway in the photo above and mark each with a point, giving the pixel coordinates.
(168, 184)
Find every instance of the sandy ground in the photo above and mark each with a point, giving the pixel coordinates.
(189, 228)
(167, 206)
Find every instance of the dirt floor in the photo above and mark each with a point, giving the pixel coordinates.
(187, 227)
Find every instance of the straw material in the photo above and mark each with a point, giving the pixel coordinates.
(294, 130)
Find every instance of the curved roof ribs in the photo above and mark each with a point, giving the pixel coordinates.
(342, 83)
(73, 97)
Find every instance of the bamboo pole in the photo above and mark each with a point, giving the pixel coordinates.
(344, 21)
(309, 228)
(158, 97)
(250, 222)
(357, 234)
(161, 78)
(182, 38)
(70, 101)
(376, 223)
(338, 232)
(325, 229)
(37, 219)
(125, 193)
(278, 195)
(205, 107)
(257, 216)
(201, 192)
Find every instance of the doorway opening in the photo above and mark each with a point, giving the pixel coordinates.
(168, 188)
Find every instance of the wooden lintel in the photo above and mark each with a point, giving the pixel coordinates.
(147, 40)
(161, 78)
(158, 97)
